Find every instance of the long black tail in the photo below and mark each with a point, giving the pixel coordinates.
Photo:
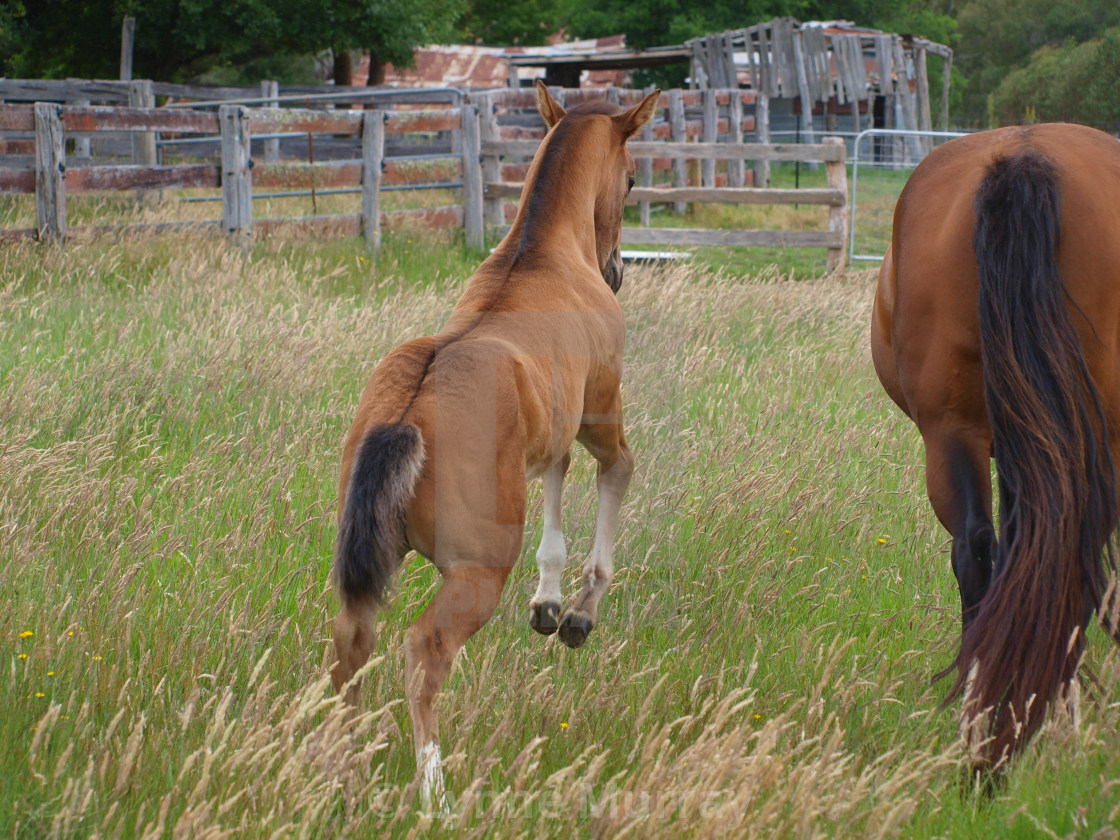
(371, 537)
(1056, 476)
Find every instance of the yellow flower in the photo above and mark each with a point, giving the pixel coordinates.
(564, 725)
(50, 673)
(70, 634)
(882, 541)
(758, 717)
(97, 659)
(787, 530)
(27, 634)
(22, 656)
(40, 694)
(793, 548)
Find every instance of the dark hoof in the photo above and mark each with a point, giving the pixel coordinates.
(544, 618)
(574, 629)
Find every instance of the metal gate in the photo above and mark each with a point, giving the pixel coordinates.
(914, 146)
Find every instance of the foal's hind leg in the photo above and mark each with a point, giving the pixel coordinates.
(464, 602)
(616, 466)
(552, 556)
(958, 480)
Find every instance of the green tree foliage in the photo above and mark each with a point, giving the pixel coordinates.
(185, 39)
(999, 36)
(502, 22)
(1070, 83)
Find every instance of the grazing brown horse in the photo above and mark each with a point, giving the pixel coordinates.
(451, 427)
(997, 330)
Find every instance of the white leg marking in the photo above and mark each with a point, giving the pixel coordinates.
(433, 793)
(552, 555)
(599, 569)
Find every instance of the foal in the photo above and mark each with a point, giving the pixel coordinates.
(451, 427)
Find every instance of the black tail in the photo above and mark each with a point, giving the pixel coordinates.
(1056, 476)
(371, 538)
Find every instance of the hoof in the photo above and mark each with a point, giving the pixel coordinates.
(544, 618)
(574, 629)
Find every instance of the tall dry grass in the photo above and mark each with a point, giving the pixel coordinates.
(170, 423)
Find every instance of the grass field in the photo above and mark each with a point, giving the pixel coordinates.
(171, 417)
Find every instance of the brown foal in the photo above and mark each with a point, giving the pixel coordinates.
(451, 427)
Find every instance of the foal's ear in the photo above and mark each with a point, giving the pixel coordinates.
(634, 120)
(550, 109)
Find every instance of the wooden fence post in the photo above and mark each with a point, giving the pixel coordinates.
(270, 90)
(711, 135)
(128, 36)
(678, 132)
(237, 181)
(472, 178)
(83, 148)
(837, 173)
(762, 133)
(373, 153)
(736, 169)
(140, 95)
(645, 171)
(489, 131)
(50, 164)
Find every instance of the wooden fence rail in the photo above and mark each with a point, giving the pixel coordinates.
(50, 179)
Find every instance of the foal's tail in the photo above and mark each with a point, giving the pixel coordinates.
(371, 537)
(1056, 476)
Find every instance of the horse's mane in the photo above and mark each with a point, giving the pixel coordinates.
(553, 169)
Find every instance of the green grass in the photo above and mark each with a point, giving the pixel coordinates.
(172, 419)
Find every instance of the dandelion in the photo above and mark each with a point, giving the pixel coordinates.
(70, 634)
(27, 634)
(564, 725)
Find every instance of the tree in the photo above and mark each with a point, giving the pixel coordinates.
(1069, 83)
(178, 40)
(503, 22)
(998, 36)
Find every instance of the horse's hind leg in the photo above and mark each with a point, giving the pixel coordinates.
(616, 465)
(464, 602)
(552, 556)
(959, 483)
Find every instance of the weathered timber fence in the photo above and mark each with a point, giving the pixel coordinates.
(148, 146)
(719, 127)
(236, 175)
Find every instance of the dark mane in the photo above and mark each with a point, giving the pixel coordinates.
(552, 168)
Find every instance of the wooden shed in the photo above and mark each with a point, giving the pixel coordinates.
(826, 73)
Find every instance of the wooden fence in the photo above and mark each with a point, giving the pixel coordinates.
(236, 175)
(694, 145)
(510, 131)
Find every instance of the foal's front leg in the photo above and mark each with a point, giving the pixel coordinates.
(616, 466)
(544, 608)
